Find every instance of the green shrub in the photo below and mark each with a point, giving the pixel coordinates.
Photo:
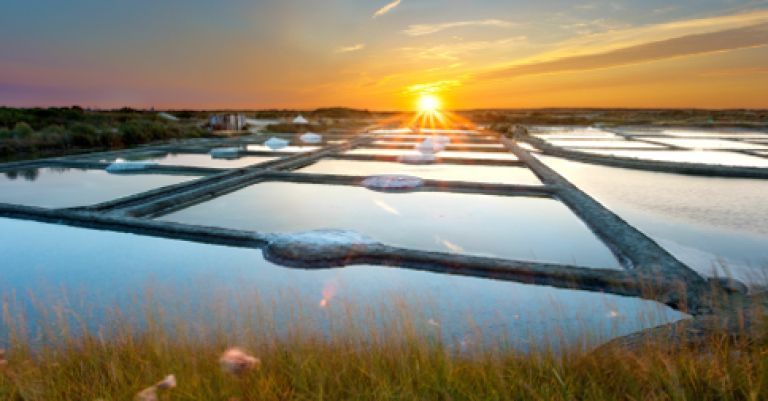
(83, 135)
(134, 133)
(22, 130)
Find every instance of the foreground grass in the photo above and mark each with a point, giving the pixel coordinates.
(382, 357)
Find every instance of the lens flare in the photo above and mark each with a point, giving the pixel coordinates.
(428, 103)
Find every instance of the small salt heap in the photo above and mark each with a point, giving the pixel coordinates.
(275, 143)
(392, 182)
(120, 165)
(417, 158)
(311, 137)
(225, 153)
(433, 144)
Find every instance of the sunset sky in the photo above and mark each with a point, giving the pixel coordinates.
(382, 54)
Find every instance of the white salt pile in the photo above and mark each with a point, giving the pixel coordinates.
(275, 143)
(225, 153)
(434, 144)
(387, 181)
(311, 137)
(121, 165)
(417, 158)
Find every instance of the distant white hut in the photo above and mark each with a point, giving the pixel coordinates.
(300, 120)
(227, 122)
(167, 116)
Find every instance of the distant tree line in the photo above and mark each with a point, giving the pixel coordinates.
(38, 131)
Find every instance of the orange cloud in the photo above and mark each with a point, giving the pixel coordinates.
(731, 39)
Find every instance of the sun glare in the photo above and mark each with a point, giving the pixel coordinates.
(428, 103)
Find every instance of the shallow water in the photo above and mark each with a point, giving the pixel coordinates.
(291, 149)
(604, 144)
(524, 228)
(496, 146)
(684, 133)
(703, 221)
(585, 136)
(708, 143)
(572, 133)
(59, 187)
(96, 270)
(448, 172)
(203, 160)
(688, 156)
(444, 154)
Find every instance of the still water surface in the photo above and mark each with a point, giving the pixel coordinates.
(447, 172)
(59, 187)
(706, 222)
(523, 228)
(96, 270)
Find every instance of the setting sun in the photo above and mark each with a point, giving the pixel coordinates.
(428, 103)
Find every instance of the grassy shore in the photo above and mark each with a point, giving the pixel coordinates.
(382, 357)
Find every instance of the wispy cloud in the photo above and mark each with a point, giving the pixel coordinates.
(427, 29)
(350, 49)
(462, 50)
(386, 8)
(694, 44)
(433, 87)
(735, 72)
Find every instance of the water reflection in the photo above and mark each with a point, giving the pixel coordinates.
(58, 187)
(32, 174)
(27, 174)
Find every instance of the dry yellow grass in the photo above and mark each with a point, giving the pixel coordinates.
(384, 356)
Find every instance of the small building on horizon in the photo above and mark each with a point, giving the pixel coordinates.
(227, 122)
(300, 120)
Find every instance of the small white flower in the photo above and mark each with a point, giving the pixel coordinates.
(167, 383)
(148, 394)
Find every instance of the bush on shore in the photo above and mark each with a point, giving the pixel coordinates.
(42, 132)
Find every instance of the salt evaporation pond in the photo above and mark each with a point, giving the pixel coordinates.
(200, 160)
(65, 187)
(504, 156)
(705, 222)
(130, 270)
(524, 228)
(438, 171)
